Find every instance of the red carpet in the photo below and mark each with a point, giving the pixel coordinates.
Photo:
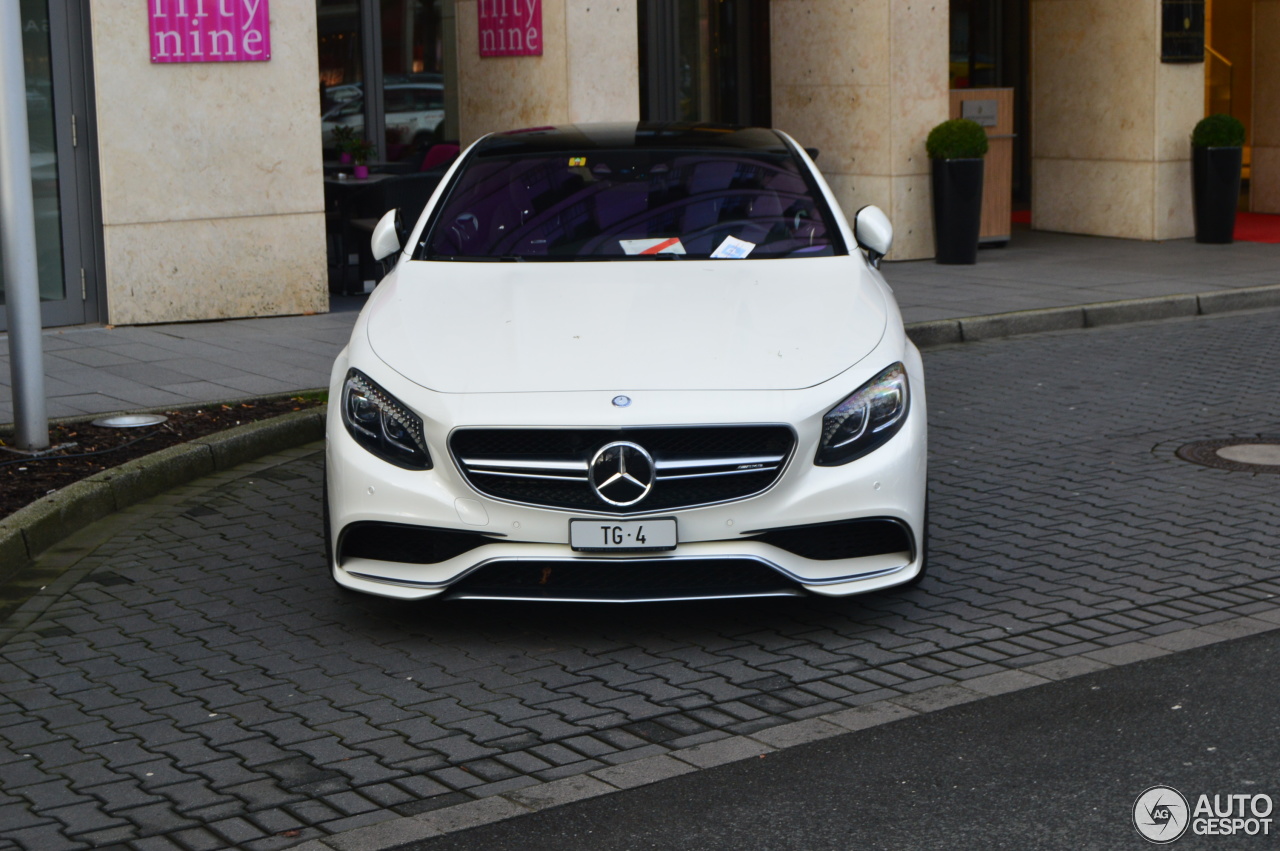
(1250, 227)
(1257, 227)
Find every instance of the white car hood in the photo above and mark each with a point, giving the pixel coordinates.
(620, 326)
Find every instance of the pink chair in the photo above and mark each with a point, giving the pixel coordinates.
(438, 155)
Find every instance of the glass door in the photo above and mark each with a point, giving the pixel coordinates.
(705, 60)
(1228, 71)
(382, 68)
(342, 71)
(990, 48)
(55, 45)
(413, 78)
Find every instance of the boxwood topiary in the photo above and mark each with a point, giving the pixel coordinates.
(1218, 131)
(957, 139)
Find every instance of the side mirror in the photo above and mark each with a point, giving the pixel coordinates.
(386, 241)
(874, 233)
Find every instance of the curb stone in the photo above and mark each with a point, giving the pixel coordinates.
(935, 332)
(1022, 322)
(1140, 310)
(29, 531)
(1244, 298)
(967, 329)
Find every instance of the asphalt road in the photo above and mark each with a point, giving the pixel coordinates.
(1058, 766)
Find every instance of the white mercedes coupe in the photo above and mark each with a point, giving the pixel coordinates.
(623, 363)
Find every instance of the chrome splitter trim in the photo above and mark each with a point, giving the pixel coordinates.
(674, 599)
(799, 580)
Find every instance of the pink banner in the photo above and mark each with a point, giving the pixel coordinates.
(209, 30)
(510, 27)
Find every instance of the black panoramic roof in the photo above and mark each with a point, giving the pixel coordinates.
(636, 136)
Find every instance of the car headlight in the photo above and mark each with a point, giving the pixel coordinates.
(381, 424)
(865, 420)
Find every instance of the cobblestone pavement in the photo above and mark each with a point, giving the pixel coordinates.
(202, 686)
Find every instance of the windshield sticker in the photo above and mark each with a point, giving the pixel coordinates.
(577, 161)
(733, 249)
(652, 246)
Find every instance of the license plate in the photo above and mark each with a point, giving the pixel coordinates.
(621, 535)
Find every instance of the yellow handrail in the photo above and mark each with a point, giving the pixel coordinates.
(1217, 98)
(1218, 56)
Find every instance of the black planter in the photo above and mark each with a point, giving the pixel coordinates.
(1216, 183)
(957, 209)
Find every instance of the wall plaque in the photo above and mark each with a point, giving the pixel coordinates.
(510, 27)
(1182, 31)
(209, 30)
(985, 112)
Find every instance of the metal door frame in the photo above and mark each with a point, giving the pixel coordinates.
(79, 205)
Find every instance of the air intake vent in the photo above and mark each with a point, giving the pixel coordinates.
(407, 544)
(846, 539)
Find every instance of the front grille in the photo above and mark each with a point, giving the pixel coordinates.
(845, 539)
(406, 544)
(693, 465)
(624, 579)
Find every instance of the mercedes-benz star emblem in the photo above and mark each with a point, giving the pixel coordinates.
(622, 473)
(621, 401)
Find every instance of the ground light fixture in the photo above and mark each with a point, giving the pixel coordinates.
(131, 421)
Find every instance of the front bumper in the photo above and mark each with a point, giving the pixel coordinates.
(514, 551)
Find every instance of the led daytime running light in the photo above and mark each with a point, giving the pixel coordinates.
(866, 420)
(390, 408)
(377, 433)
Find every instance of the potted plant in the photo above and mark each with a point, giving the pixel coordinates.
(956, 149)
(343, 137)
(360, 153)
(1216, 149)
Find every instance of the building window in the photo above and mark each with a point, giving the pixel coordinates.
(382, 74)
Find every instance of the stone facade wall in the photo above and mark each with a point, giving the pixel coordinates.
(1111, 150)
(211, 177)
(589, 70)
(864, 82)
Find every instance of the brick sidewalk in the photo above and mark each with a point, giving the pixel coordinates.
(193, 680)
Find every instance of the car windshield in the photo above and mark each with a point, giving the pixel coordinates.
(632, 204)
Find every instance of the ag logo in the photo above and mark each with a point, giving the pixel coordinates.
(1161, 815)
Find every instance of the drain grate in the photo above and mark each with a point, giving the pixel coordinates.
(1237, 454)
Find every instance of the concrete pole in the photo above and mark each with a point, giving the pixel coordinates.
(18, 240)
